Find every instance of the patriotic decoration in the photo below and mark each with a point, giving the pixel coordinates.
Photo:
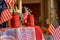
(56, 34)
(51, 29)
(27, 33)
(30, 20)
(15, 21)
(53, 26)
(10, 3)
(4, 37)
(22, 33)
(9, 34)
(54, 29)
(5, 16)
(5, 13)
(25, 17)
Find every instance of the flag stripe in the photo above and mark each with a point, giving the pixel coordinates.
(9, 13)
(2, 18)
(51, 29)
(5, 16)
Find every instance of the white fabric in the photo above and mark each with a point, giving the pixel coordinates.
(43, 37)
(9, 33)
(27, 33)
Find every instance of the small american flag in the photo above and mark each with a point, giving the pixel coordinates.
(53, 26)
(54, 29)
(5, 15)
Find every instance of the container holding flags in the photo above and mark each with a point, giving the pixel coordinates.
(15, 21)
(30, 20)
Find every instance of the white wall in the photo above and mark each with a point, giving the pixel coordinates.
(31, 1)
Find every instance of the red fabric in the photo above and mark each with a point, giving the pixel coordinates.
(15, 21)
(25, 17)
(30, 20)
(38, 33)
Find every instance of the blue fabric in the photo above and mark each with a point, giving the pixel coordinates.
(3, 6)
(50, 37)
(3, 25)
(56, 23)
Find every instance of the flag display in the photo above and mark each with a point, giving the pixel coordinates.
(5, 13)
(5, 16)
(53, 26)
(54, 29)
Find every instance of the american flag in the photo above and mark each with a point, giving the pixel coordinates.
(6, 14)
(54, 29)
